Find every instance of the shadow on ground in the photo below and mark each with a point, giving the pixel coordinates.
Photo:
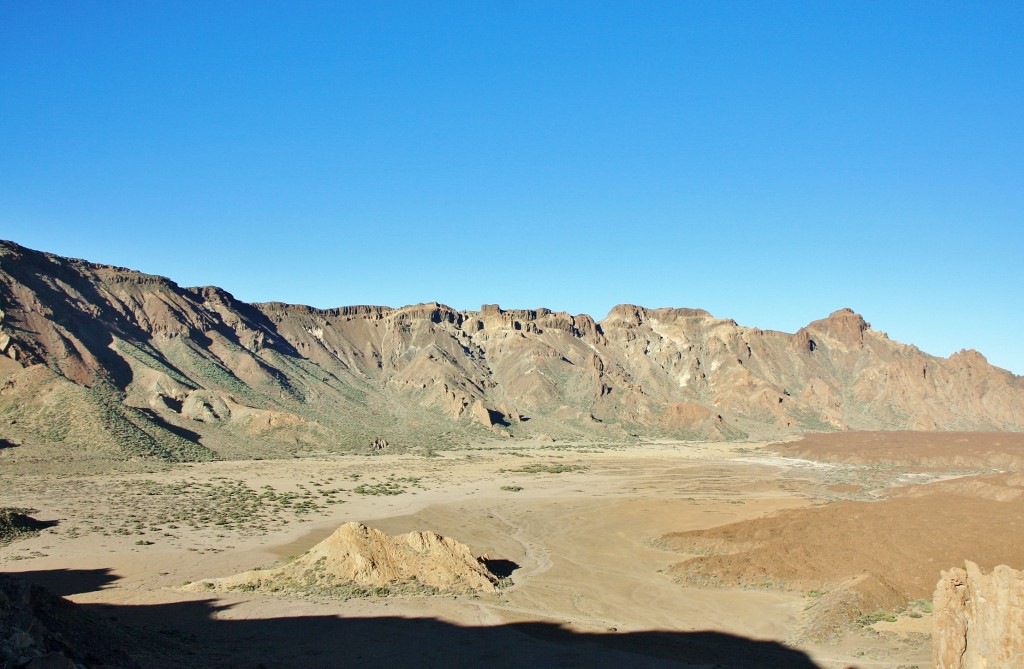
(67, 582)
(500, 567)
(201, 634)
(16, 523)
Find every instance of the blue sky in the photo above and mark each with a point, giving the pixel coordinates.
(767, 161)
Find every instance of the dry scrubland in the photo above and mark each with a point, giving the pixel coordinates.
(657, 554)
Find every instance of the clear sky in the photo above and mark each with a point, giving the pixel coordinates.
(768, 161)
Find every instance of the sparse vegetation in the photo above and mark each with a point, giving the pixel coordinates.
(922, 605)
(394, 485)
(148, 357)
(918, 607)
(220, 502)
(379, 489)
(312, 588)
(200, 366)
(878, 616)
(16, 523)
(538, 468)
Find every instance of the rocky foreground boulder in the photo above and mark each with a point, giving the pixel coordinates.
(359, 561)
(39, 630)
(979, 619)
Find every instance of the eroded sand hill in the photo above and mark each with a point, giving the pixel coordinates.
(359, 560)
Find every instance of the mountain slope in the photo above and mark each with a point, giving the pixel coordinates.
(109, 362)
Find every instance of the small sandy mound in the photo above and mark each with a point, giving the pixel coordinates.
(358, 561)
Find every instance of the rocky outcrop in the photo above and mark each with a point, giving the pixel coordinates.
(979, 619)
(844, 327)
(39, 630)
(202, 366)
(482, 414)
(358, 560)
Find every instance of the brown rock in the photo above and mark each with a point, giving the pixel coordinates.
(979, 619)
(844, 326)
(112, 341)
(481, 414)
(686, 414)
(511, 415)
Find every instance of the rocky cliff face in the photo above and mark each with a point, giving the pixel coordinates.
(979, 619)
(161, 370)
(39, 630)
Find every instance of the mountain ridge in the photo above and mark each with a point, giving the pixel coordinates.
(199, 371)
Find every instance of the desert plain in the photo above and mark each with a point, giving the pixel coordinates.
(819, 552)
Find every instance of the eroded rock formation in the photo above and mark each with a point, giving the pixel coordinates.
(979, 619)
(358, 560)
(106, 359)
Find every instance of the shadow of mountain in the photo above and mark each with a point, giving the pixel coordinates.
(66, 582)
(203, 633)
(184, 433)
(43, 273)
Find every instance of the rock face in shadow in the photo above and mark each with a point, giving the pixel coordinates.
(357, 560)
(39, 630)
(106, 361)
(979, 619)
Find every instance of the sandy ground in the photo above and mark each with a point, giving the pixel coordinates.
(591, 587)
(970, 450)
